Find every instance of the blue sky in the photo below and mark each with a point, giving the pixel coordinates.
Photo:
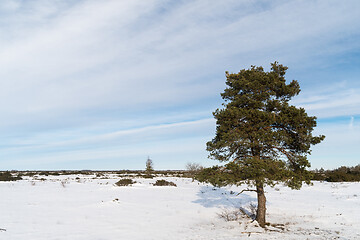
(104, 84)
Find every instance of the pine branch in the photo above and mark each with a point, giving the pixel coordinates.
(246, 190)
(287, 154)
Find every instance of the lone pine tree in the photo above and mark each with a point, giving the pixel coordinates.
(149, 166)
(260, 137)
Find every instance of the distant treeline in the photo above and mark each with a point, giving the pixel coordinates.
(7, 176)
(341, 174)
(14, 175)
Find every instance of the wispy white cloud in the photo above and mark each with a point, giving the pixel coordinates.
(104, 53)
(153, 132)
(69, 67)
(334, 103)
(167, 155)
(351, 124)
(160, 141)
(339, 147)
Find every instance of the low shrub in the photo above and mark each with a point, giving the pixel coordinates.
(163, 182)
(192, 169)
(238, 213)
(148, 176)
(124, 182)
(7, 176)
(341, 174)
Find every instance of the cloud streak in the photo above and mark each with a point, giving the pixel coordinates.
(161, 141)
(73, 70)
(96, 54)
(331, 103)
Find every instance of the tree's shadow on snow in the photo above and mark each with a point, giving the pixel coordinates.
(219, 197)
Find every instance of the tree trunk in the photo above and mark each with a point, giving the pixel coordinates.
(261, 209)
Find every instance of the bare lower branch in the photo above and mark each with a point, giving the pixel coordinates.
(246, 190)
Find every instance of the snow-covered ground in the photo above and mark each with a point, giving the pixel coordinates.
(88, 208)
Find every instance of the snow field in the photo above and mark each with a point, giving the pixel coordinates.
(88, 208)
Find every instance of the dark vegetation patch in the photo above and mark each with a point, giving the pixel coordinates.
(140, 175)
(8, 176)
(125, 182)
(101, 173)
(341, 174)
(163, 182)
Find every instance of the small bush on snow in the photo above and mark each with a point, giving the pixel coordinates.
(148, 176)
(125, 182)
(7, 176)
(237, 214)
(163, 182)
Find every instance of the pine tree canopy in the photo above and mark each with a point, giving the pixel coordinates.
(259, 135)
